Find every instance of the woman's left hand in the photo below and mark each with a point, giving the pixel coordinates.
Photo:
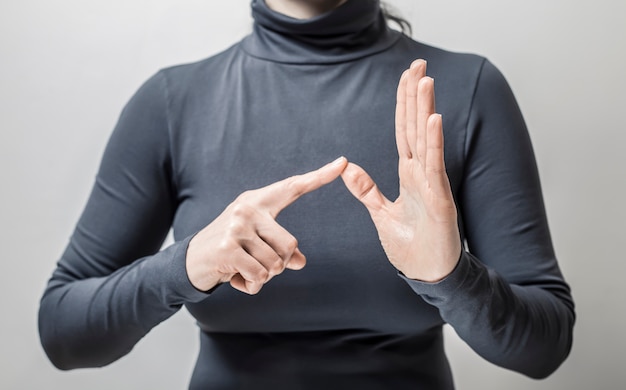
(418, 231)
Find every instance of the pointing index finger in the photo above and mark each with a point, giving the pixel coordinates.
(277, 196)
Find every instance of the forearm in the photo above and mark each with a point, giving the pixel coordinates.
(94, 321)
(523, 328)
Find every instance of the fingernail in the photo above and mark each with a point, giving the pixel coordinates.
(428, 79)
(338, 161)
(418, 62)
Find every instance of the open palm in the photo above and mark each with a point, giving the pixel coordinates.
(419, 230)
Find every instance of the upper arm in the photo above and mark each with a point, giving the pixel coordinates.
(131, 206)
(500, 198)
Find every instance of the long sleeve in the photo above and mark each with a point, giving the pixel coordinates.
(507, 298)
(112, 285)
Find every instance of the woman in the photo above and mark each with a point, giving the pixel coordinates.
(204, 148)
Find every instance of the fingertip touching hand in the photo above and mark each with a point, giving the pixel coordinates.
(245, 245)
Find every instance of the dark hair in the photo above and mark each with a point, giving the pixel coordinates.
(392, 16)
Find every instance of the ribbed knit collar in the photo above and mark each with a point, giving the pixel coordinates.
(353, 30)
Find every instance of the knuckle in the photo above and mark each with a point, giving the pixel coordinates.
(277, 267)
(255, 288)
(435, 170)
(292, 244)
(244, 196)
(294, 186)
(364, 187)
(241, 209)
(236, 228)
(224, 245)
(260, 276)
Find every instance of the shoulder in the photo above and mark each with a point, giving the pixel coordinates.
(461, 78)
(187, 88)
(456, 74)
(442, 62)
(178, 78)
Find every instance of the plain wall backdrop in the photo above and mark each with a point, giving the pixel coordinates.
(68, 67)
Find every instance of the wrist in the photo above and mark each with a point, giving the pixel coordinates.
(436, 272)
(201, 277)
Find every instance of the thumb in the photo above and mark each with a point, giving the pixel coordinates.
(361, 185)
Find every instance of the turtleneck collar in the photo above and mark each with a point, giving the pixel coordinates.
(353, 30)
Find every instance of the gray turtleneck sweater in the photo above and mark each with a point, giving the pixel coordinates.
(288, 98)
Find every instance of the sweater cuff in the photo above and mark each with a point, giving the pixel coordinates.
(176, 276)
(445, 290)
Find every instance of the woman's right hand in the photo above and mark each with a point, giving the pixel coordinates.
(245, 245)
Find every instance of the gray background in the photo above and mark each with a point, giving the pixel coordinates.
(67, 68)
